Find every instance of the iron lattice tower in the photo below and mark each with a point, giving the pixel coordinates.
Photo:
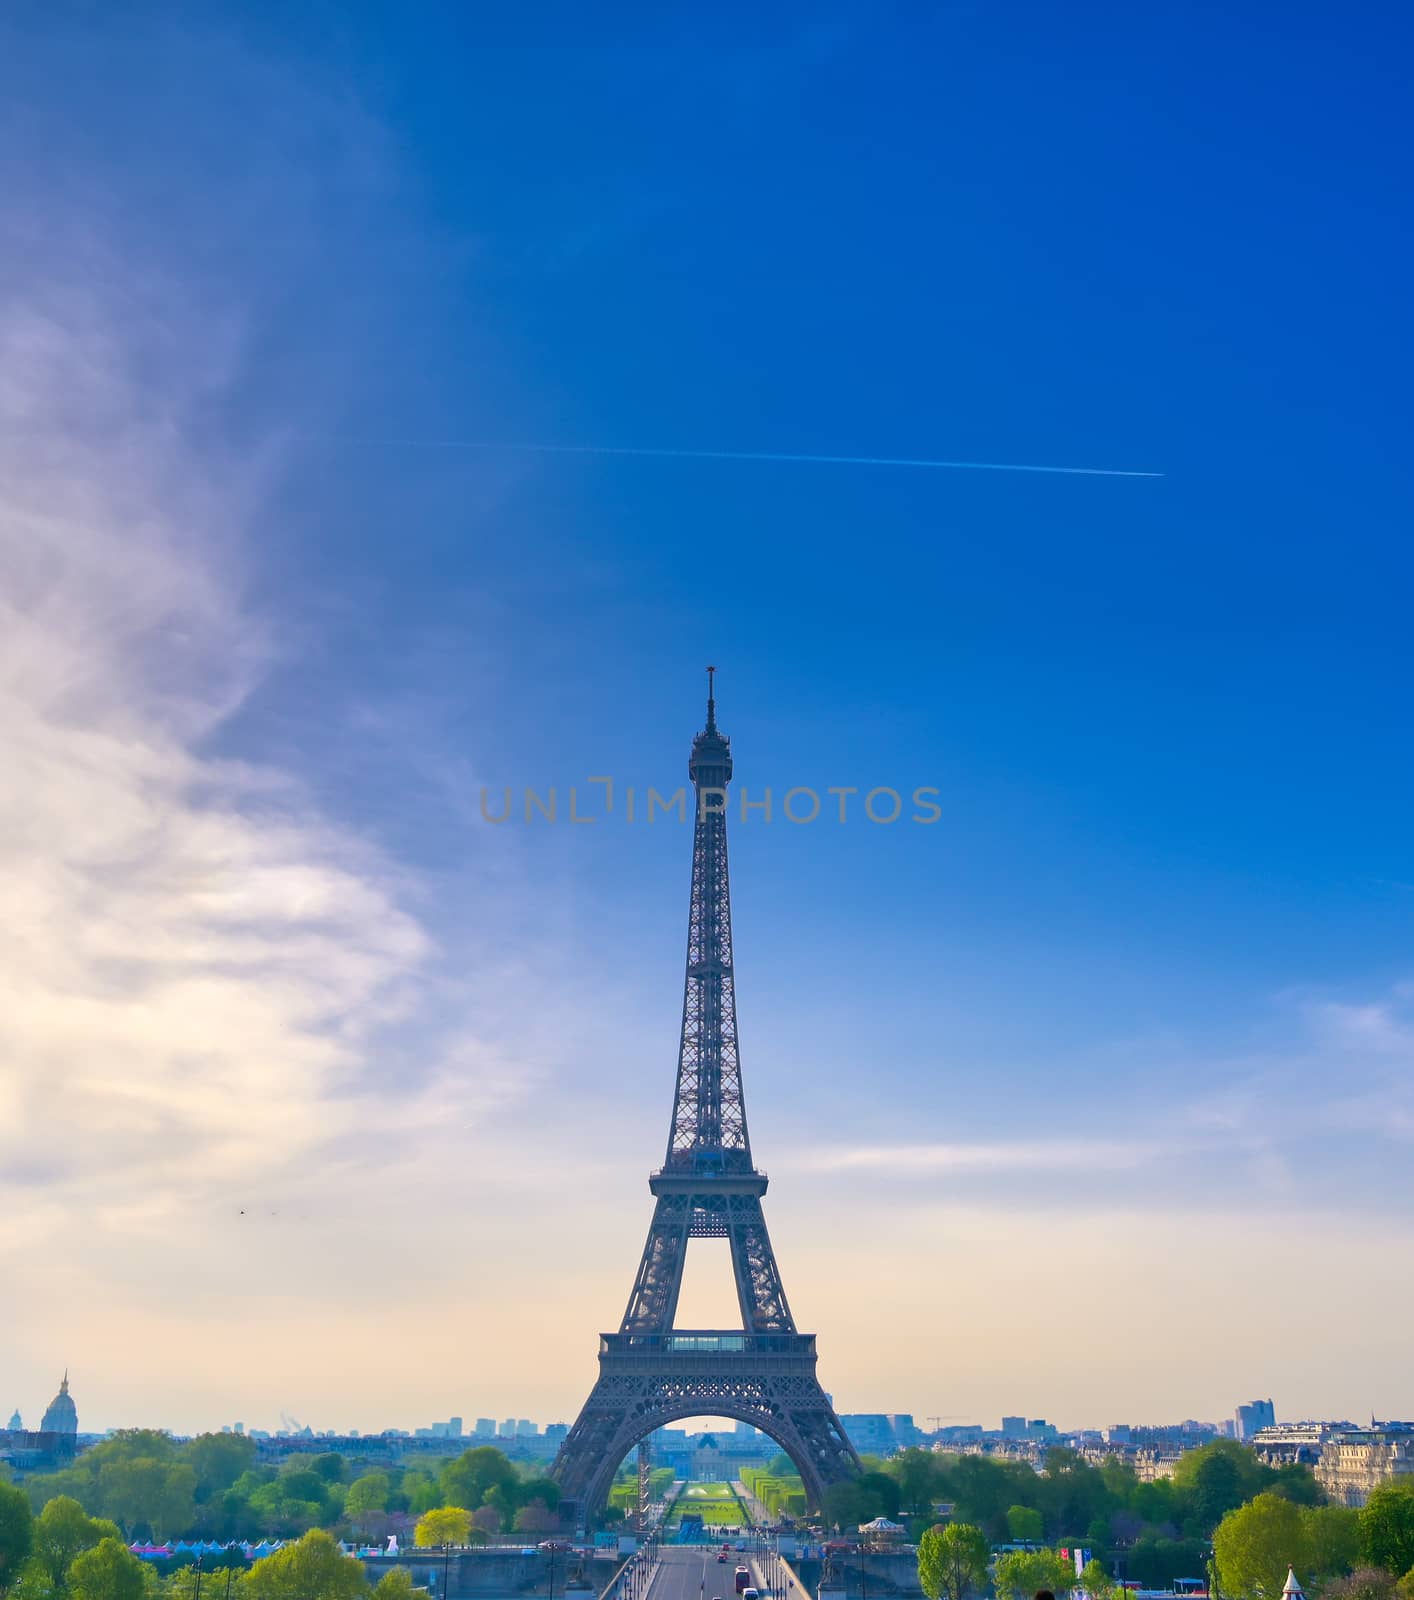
(650, 1372)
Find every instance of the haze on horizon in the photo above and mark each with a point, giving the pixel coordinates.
(322, 1094)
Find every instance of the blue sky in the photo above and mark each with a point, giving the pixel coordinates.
(1129, 1032)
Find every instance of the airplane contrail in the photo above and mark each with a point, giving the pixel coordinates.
(774, 455)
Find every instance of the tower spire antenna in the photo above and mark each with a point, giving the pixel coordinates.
(711, 701)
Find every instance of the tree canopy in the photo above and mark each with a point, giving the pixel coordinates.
(16, 1534)
(1019, 1574)
(445, 1525)
(952, 1561)
(312, 1568)
(1257, 1542)
(1387, 1528)
(107, 1572)
(62, 1531)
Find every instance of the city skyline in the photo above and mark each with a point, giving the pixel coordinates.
(318, 1085)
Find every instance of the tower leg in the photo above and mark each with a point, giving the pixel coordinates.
(625, 1407)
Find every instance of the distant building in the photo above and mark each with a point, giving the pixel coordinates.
(485, 1428)
(507, 1430)
(960, 1433)
(1254, 1416)
(906, 1431)
(1013, 1427)
(555, 1431)
(62, 1415)
(1355, 1462)
(1287, 1443)
(16, 1421)
(870, 1432)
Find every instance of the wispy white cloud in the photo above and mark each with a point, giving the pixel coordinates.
(194, 957)
(1031, 1155)
(227, 1020)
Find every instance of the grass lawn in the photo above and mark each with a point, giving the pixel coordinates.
(715, 1503)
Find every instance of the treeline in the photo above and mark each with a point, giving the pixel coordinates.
(64, 1554)
(1162, 1529)
(1337, 1552)
(780, 1491)
(213, 1487)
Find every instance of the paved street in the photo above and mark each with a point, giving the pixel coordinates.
(689, 1572)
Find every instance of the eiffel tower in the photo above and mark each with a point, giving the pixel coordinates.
(650, 1372)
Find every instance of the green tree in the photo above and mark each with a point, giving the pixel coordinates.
(469, 1479)
(62, 1531)
(107, 1572)
(1217, 1488)
(879, 1495)
(1387, 1528)
(546, 1490)
(1215, 1479)
(1297, 1482)
(445, 1525)
(395, 1584)
(303, 1483)
(312, 1568)
(280, 1513)
(982, 1489)
(1023, 1524)
(952, 1561)
(151, 1444)
(1097, 1583)
(77, 1483)
(1332, 1540)
(841, 1505)
(1256, 1543)
(1155, 1562)
(16, 1534)
(329, 1466)
(145, 1492)
(368, 1493)
(915, 1473)
(1021, 1573)
(218, 1459)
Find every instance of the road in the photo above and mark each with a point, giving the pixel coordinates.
(692, 1572)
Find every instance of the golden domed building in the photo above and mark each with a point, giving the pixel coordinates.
(62, 1415)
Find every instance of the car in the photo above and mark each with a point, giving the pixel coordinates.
(750, 1594)
(721, 1555)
